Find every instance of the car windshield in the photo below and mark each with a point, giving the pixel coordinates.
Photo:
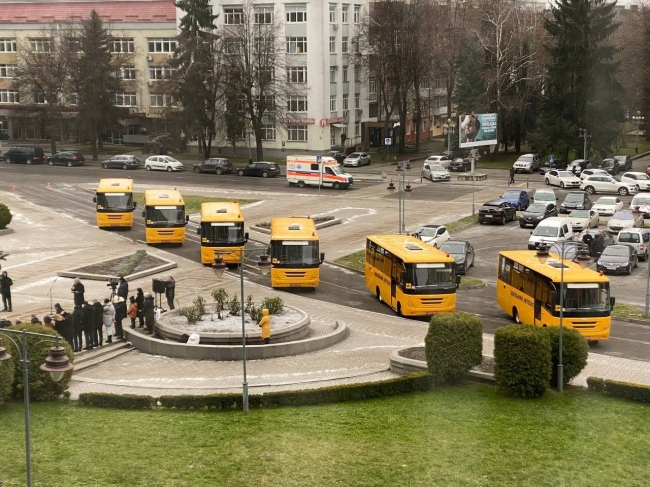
(354, 155)
(294, 253)
(544, 231)
(574, 198)
(170, 159)
(453, 247)
(641, 176)
(511, 195)
(438, 168)
(617, 250)
(525, 159)
(607, 162)
(537, 208)
(641, 200)
(336, 169)
(427, 231)
(565, 174)
(579, 214)
(620, 158)
(586, 296)
(434, 275)
(629, 237)
(623, 215)
(606, 201)
(544, 196)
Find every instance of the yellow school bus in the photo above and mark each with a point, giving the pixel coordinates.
(114, 203)
(164, 215)
(529, 292)
(411, 276)
(294, 253)
(222, 231)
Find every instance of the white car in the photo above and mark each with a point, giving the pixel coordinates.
(639, 179)
(163, 163)
(582, 219)
(441, 160)
(544, 195)
(606, 184)
(563, 179)
(607, 205)
(593, 172)
(434, 235)
(643, 202)
(357, 159)
(435, 172)
(623, 219)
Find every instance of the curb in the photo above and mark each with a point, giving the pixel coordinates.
(131, 277)
(632, 320)
(402, 366)
(325, 224)
(639, 156)
(6, 231)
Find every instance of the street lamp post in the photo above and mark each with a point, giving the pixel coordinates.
(583, 259)
(403, 189)
(638, 120)
(449, 127)
(56, 364)
(584, 135)
(219, 268)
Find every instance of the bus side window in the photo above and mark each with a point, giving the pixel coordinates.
(388, 263)
(529, 283)
(517, 278)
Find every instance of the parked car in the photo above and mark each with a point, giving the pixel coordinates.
(217, 165)
(462, 252)
(606, 184)
(559, 164)
(607, 205)
(435, 172)
(639, 179)
(66, 158)
(357, 159)
(163, 163)
(339, 156)
(517, 198)
(125, 161)
(527, 163)
(496, 212)
(535, 213)
(576, 200)
(434, 235)
(563, 179)
(460, 164)
(624, 162)
(593, 172)
(581, 219)
(578, 165)
(639, 238)
(554, 229)
(262, 168)
(617, 258)
(442, 160)
(544, 195)
(642, 201)
(610, 165)
(24, 154)
(623, 219)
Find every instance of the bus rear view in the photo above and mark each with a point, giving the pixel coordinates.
(114, 203)
(295, 253)
(164, 214)
(222, 232)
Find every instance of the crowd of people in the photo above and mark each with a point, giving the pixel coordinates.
(595, 243)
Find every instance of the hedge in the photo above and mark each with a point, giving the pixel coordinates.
(522, 360)
(5, 216)
(6, 374)
(453, 345)
(624, 390)
(575, 351)
(131, 264)
(117, 401)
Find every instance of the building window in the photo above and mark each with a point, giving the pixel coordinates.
(268, 132)
(355, 45)
(373, 110)
(345, 74)
(344, 13)
(4, 125)
(232, 16)
(8, 45)
(297, 133)
(121, 45)
(265, 74)
(408, 128)
(296, 14)
(38, 98)
(126, 99)
(297, 104)
(160, 72)
(344, 45)
(157, 100)
(332, 45)
(332, 136)
(40, 45)
(357, 74)
(162, 45)
(73, 99)
(357, 129)
(127, 72)
(264, 15)
(9, 96)
(332, 13)
(296, 45)
(7, 70)
(357, 14)
(346, 101)
(357, 100)
(297, 74)
(332, 103)
(372, 90)
(332, 74)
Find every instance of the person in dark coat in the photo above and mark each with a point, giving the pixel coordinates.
(99, 323)
(78, 292)
(78, 325)
(587, 239)
(139, 300)
(120, 314)
(89, 325)
(170, 292)
(123, 289)
(5, 290)
(66, 327)
(597, 245)
(512, 175)
(148, 312)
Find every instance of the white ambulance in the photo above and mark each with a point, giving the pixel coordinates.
(305, 170)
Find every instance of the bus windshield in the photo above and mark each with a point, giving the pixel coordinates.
(435, 275)
(115, 201)
(294, 253)
(591, 296)
(165, 216)
(222, 233)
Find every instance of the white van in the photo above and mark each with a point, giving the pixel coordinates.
(305, 171)
(544, 195)
(549, 231)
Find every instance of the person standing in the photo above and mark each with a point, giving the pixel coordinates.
(123, 289)
(108, 317)
(148, 312)
(99, 322)
(139, 300)
(120, 314)
(5, 290)
(170, 292)
(587, 238)
(78, 291)
(597, 245)
(265, 325)
(89, 325)
(132, 312)
(66, 325)
(78, 325)
(512, 175)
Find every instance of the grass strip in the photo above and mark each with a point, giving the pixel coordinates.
(470, 281)
(193, 202)
(131, 264)
(627, 311)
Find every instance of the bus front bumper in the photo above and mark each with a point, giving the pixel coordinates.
(230, 255)
(114, 220)
(295, 278)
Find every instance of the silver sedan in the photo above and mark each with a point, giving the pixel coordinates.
(357, 159)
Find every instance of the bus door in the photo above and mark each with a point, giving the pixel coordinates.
(542, 299)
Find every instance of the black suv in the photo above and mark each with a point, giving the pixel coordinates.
(624, 162)
(66, 158)
(217, 165)
(262, 168)
(24, 154)
(610, 165)
(577, 200)
(558, 164)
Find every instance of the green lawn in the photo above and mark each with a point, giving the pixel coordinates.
(464, 436)
(627, 311)
(466, 281)
(193, 202)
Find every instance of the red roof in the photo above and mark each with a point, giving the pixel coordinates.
(119, 11)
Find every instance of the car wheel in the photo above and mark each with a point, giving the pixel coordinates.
(336, 186)
(105, 166)
(218, 171)
(515, 315)
(265, 174)
(546, 180)
(148, 168)
(125, 167)
(197, 170)
(51, 163)
(240, 173)
(28, 161)
(629, 270)
(562, 184)
(503, 220)
(623, 191)
(169, 169)
(637, 188)
(590, 190)
(301, 184)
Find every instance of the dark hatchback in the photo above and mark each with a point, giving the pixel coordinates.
(125, 161)
(339, 156)
(260, 169)
(460, 165)
(535, 213)
(617, 258)
(216, 165)
(24, 154)
(66, 158)
(610, 165)
(558, 164)
(496, 212)
(462, 253)
(576, 200)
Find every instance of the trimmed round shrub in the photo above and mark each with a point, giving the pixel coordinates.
(6, 374)
(453, 345)
(575, 350)
(5, 216)
(522, 360)
(41, 385)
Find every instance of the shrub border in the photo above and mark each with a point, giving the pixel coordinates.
(624, 390)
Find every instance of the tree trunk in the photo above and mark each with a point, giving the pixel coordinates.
(93, 142)
(418, 116)
(259, 150)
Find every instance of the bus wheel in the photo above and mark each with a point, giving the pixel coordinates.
(378, 293)
(515, 315)
(592, 343)
(301, 184)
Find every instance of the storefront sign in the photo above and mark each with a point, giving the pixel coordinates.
(324, 122)
(298, 120)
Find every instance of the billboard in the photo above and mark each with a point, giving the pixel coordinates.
(476, 130)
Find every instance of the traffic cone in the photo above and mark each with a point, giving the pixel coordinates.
(49, 186)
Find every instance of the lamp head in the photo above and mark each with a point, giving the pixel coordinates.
(391, 187)
(219, 266)
(57, 364)
(264, 264)
(4, 355)
(583, 258)
(407, 189)
(542, 253)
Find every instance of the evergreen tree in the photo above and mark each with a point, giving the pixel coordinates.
(469, 93)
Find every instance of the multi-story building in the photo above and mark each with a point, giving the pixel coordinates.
(320, 40)
(144, 34)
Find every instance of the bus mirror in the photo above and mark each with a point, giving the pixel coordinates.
(94, 199)
(246, 236)
(612, 302)
(554, 296)
(198, 230)
(322, 257)
(187, 218)
(143, 214)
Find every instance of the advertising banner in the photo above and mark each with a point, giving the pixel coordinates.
(476, 130)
